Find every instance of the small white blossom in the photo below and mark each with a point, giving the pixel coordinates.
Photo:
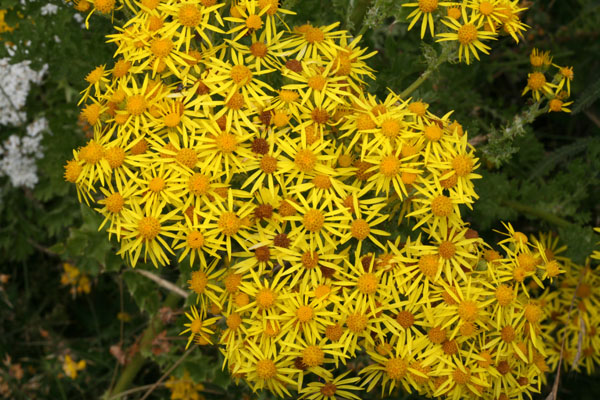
(15, 83)
(49, 9)
(18, 155)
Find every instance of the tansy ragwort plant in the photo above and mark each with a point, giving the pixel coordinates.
(252, 151)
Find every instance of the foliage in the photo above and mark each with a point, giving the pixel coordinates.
(542, 176)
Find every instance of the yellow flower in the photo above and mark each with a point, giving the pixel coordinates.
(424, 9)
(469, 35)
(72, 368)
(198, 327)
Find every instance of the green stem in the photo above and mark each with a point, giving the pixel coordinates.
(442, 57)
(358, 15)
(525, 209)
(138, 360)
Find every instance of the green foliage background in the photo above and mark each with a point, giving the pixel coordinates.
(542, 176)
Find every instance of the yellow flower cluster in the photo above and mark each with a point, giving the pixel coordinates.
(79, 282)
(256, 155)
(469, 22)
(72, 368)
(184, 388)
(553, 91)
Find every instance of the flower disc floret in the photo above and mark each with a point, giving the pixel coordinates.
(447, 249)
(360, 229)
(161, 47)
(467, 310)
(104, 6)
(463, 165)
(313, 220)
(305, 160)
(314, 35)
(199, 281)
(265, 298)
(226, 142)
(433, 133)
(115, 156)
(356, 322)
(72, 171)
(187, 157)
(189, 15)
(390, 128)
(467, 34)
(406, 319)
(429, 265)
(304, 313)
(229, 223)
(536, 81)
(114, 203)
(268, 164)
(390, 166)
(441, 206)
(316, 82)
(313, 356)
(241, 74)
(199, 184)
(136, 104)
(195, 240)
(396, 368)
(92, 152)
(234, 321)
(156, 184)
(533, 313)
(254, 22)
(367, 283)
(504, 295)
(149, 228)
(266, 369)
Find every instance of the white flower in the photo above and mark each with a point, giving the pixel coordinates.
(19, 154)
(15, 83)
(49, 9)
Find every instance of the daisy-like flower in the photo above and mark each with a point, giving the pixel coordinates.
(237, 78)
(265, 369)
(540, 59)
(317, 225)
(566, 76)
(363, 223)
(231, 218)
(537, 84)
(559, 105)
(339, 387)
(314, 42)
(198, 327)
(195, 239)
(203, 283)
(389, 172)
(116, 205)
(156, 186)
(489, 12)
(424, 9)
(186, 19)
(469, 35)
(96, 80)
(392, 369)
(435, 208)
(265, 52)
(248, 19)
(148, 228)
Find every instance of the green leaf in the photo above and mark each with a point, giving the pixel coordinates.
(144, 291)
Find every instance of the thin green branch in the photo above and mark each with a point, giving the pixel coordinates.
(431, 68)
(137, 362)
